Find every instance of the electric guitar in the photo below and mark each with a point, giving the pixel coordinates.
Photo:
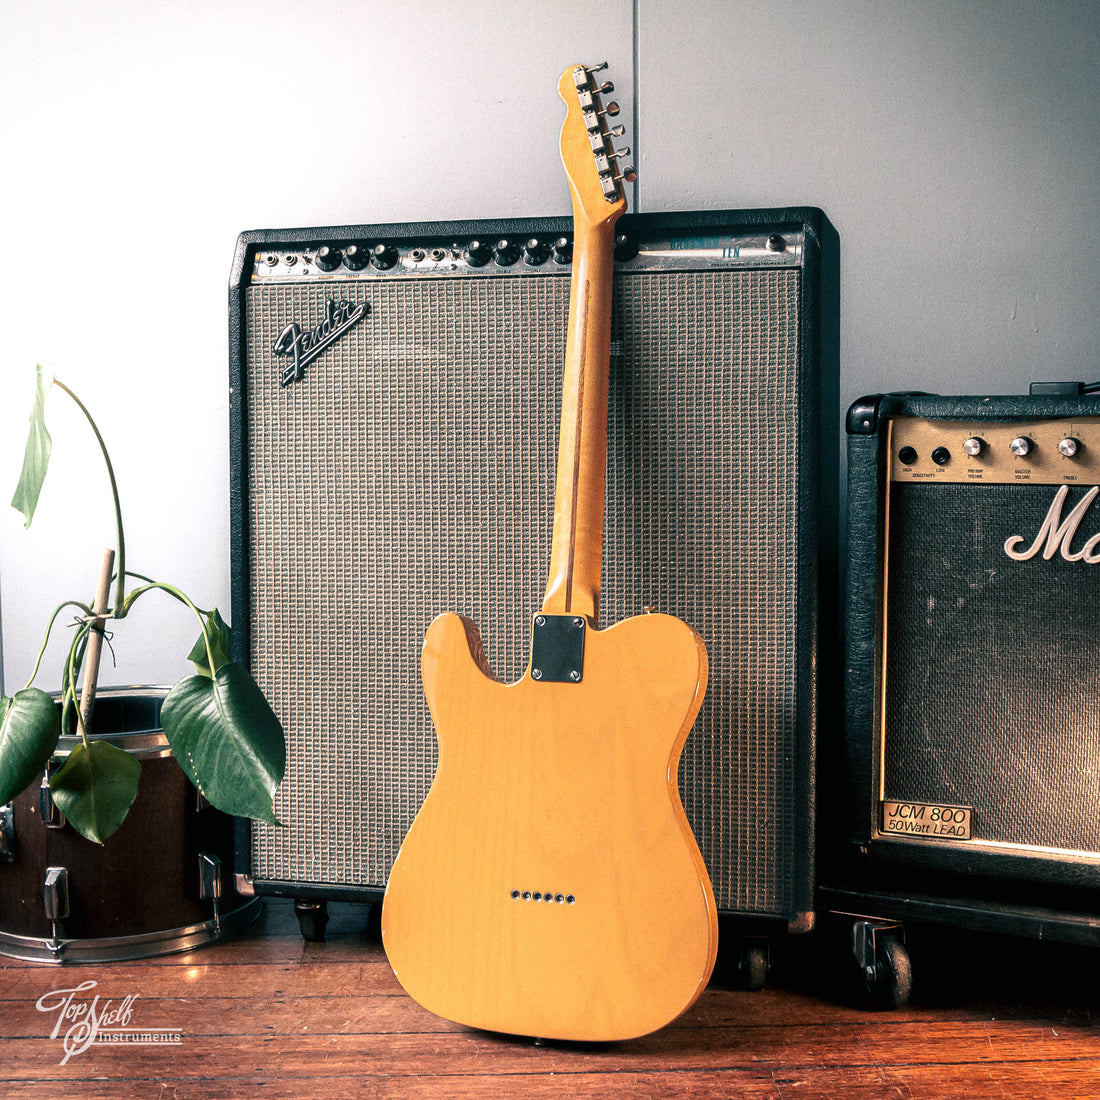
(550, 884)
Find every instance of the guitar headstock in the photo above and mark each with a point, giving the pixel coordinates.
(591, 161)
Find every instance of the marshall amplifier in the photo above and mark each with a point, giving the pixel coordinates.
(972, 749)
(394, 412)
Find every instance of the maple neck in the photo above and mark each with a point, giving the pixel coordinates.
(592, 168)
(576, 554)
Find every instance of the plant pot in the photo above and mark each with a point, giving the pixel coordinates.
(162, 883)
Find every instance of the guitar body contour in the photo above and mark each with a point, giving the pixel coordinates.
(550, 884)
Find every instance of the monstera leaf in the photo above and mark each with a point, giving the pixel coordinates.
(228, 741)
(29, 728)
(36, 458)
(217, 635)
(95, 788)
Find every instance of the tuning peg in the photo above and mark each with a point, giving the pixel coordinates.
(617, 131)
(603, 161)
(606, 88)
(623, 152)
(597, 68)
(628, 174)
(592, 118)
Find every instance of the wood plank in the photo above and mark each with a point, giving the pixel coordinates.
(269, 1015)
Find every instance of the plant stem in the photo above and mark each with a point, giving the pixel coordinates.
(175, 593)
(150, 583)
(120, 591)
(68, 693)
(49, 629)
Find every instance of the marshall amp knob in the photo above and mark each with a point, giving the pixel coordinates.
(970, 757)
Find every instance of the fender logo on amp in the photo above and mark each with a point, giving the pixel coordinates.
(304, 347)
(1056, 535)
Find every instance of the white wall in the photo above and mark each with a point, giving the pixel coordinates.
(954, 145)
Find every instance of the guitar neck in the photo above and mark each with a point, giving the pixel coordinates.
(591, 166)
(576, 554)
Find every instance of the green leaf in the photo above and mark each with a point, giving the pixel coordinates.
(29, 729)
(95, 788)
(228, 741)
(214, 630)
(36, 458)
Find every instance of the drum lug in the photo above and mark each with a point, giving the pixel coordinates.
(210, 876)
(55, 898)
(210, 882)
(7, 833)
(51, 816)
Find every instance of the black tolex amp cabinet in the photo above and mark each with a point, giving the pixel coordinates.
(971, 793)
(394, 413)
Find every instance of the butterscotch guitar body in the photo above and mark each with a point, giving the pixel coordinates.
(550, 885)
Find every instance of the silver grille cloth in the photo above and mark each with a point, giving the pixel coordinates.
(412, 471)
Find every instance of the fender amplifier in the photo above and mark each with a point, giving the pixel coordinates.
(972, 748)
(394, 411)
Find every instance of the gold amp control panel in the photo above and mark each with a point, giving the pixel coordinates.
(1043, 452)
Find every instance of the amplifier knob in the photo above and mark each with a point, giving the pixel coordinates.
(383, 256)
(477, 253)
(974, 446)
(327, 259)
(1069, 446)
(562, 252)
(1020, 446)
(625, 248)
(355, 257)
(535, 252)
(506, 252)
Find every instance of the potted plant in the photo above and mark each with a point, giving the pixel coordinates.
(222, 731)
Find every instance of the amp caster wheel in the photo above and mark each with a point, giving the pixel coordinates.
(887, 972)
(312, 918)
(753, 965)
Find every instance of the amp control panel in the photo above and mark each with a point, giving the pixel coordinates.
(1044, 452)
(343, 260)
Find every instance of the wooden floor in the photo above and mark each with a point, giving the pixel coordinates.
(270, 1016)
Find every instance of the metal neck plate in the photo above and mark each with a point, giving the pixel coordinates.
(557, 649)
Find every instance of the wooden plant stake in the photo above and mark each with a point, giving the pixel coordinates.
(95, 639)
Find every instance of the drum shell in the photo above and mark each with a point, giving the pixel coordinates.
(145, 879)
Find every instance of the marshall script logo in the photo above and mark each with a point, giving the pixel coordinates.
(304, 347)
(1057, 534)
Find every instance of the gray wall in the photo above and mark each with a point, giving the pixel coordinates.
(954, 144)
